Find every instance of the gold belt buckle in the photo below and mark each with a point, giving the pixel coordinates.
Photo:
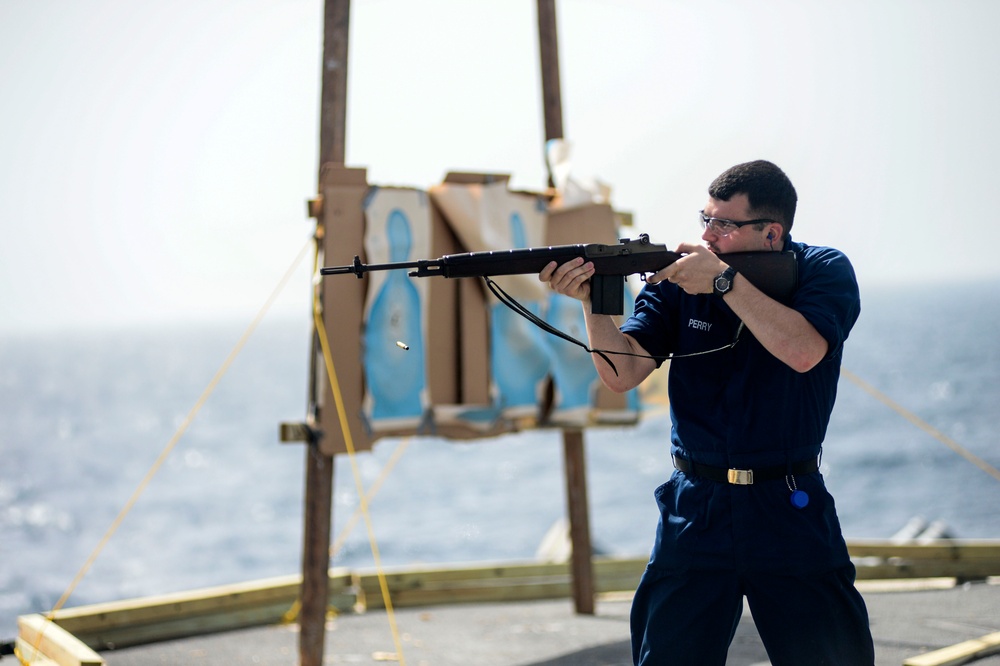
(741, 477)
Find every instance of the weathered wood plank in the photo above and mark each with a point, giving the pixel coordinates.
(195, 602)
(54, 642)
(962, 653)
(495, 583)
(181, 626)
(209, 610)
(31, 655)
(941, 549)
(898, 568)
(958, 558)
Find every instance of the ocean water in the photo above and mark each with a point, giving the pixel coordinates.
(84, 416)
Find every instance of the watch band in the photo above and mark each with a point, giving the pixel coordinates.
(724, 281)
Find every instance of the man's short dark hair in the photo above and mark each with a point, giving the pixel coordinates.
(769, 190)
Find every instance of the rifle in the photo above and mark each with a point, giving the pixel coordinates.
(774, 273)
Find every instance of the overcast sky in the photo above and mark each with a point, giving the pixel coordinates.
(156, 157)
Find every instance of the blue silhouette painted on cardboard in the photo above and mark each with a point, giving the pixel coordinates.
(519, 360)
(573, 371)
(396, 377)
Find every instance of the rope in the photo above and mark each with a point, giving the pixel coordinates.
(372, 491)
(923, 425)
(352, 456)
(292, 614)
(170, 446)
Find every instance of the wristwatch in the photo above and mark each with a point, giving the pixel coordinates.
(724, 282)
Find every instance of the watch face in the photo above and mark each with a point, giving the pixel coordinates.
(724, 281)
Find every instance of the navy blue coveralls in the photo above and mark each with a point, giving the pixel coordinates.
(717, 542)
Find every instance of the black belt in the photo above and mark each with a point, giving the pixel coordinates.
(745, 477)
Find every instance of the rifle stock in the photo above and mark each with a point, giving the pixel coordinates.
(774, 273)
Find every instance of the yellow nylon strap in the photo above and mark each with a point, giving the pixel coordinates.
(338, 543)
(352, 456)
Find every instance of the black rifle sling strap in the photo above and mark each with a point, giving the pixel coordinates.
(511, 303)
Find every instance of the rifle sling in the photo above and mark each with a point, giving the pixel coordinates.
(512, 303)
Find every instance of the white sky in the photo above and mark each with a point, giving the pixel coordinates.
(155, 157)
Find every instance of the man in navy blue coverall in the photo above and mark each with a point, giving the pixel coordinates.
(746, 512)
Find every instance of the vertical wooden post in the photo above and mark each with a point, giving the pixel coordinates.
(315, 556)
(318, 508)
(333, 97)
(548, 48)
(581, 566)
(573, 451)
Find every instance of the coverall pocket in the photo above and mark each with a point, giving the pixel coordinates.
(803, 540)
(684, 508)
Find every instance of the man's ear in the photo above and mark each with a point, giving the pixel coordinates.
(774, 232)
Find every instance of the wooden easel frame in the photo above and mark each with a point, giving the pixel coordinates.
(318, 509)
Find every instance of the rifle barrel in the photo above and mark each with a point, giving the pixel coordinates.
(359, 269)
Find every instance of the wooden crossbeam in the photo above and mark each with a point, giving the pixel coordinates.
(962, 653)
